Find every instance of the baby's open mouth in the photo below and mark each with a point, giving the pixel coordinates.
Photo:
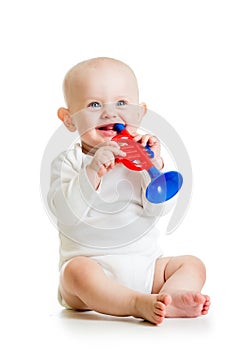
(106, 127)
(106, 130)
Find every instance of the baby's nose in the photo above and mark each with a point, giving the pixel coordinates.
(109, 111)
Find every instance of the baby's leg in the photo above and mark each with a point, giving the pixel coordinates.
(85, 286)
(182, 278)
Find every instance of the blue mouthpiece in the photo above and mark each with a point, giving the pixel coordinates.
(118, 127)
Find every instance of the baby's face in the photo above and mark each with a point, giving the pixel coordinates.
(101, 98)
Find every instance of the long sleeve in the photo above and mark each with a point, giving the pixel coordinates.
(70, 193)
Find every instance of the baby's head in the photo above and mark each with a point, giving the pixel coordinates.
(99, 93)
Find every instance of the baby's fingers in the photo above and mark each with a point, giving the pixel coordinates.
(116, 151)
(143, 139)
(107, 162)
(151, 140)
(106, 155)
(108, 144)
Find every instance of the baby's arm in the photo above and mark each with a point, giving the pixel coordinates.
(70, 192)
(103, 161)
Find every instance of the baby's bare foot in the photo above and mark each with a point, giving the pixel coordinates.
(188, 304)
(152, 307)
(206, 305)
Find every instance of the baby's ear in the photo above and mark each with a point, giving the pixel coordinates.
(64, 115)
(143, 109)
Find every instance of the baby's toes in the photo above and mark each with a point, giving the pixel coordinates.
(160, 309)
(206, 305)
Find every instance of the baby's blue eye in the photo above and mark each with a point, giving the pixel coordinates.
(94, 104)
(121, 103)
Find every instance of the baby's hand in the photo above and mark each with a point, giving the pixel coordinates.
(103, 160)
(154, 144)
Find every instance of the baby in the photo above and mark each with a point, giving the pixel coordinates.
(115, 278)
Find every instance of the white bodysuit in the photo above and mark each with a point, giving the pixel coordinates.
(115, 225)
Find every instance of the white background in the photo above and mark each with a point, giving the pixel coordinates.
(182, 53)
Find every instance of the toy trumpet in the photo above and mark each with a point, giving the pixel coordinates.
(163, 186)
